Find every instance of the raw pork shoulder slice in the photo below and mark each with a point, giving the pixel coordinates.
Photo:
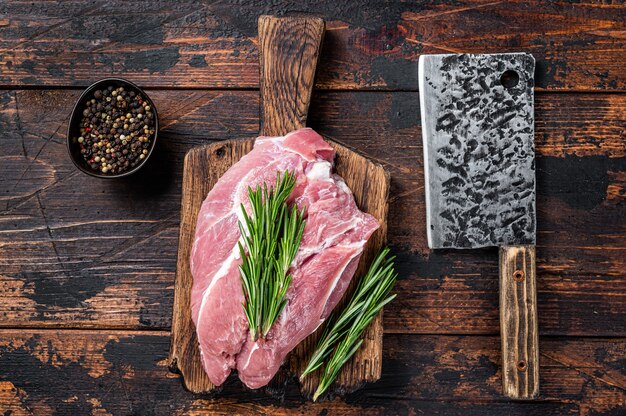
(332, 243)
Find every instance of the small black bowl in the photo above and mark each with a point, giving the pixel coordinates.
(73, 129)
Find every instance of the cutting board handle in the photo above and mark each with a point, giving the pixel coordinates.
(518, 322)
(289, 50)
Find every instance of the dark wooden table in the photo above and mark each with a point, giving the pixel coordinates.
(87, 266)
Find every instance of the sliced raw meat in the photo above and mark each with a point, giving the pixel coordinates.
(332, 243)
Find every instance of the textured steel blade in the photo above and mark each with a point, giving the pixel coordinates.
(479, 154)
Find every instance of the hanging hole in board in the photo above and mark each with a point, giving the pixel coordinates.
(509, 79)
(521, 365)
(518, 275)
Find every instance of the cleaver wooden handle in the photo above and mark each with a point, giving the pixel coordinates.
(518, 322)
(289, 49)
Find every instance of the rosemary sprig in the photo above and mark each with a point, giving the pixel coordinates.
(342, 338)
(271, 235)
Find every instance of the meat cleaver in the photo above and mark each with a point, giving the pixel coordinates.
(479, 165)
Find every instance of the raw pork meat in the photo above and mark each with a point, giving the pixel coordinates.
(332, 243)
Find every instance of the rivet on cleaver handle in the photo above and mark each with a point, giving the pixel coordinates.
(479, 156)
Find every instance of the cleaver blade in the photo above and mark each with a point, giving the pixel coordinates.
(479, 164)
(479, 155)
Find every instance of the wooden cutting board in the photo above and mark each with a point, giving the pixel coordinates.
(289, 47)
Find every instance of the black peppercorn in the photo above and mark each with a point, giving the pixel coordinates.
(116, 130)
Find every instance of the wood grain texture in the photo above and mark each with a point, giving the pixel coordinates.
(289, 50)
(518, 322)
(579, 45)
(117, 255)
(77, 253)
(122, 373)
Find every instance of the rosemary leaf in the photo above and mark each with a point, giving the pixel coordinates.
(343, 337)
(271, 235)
